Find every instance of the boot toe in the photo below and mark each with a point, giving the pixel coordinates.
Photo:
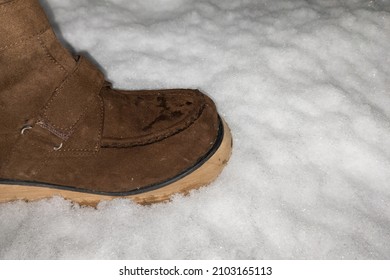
(165, 135)
(135, 118)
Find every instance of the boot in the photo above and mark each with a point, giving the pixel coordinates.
(64, 130)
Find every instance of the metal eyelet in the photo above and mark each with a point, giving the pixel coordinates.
(58, 148)
(28, 127)
(25, 128)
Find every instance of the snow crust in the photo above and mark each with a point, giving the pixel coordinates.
(305, 87)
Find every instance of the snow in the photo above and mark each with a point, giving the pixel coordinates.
(304, 86)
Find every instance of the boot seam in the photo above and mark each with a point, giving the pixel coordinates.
(21, 41)
(99, 136)
(112, 142)
(78, 152)
(49, 55)
(160, 137)
(49, 155)
(57, 92)
(15, 147)
(45, 158)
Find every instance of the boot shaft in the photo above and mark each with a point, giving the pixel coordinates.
(33, 64)
(20, 20)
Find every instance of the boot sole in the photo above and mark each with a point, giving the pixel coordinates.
(202, 174)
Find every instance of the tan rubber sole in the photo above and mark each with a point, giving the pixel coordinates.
(202, 176)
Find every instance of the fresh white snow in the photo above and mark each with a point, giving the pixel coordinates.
(305, 87)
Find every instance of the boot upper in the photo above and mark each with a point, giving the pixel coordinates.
(61, 123)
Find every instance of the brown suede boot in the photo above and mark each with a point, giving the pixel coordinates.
(64, 131)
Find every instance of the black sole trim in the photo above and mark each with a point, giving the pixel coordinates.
(141, 190)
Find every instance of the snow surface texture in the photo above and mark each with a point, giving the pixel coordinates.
(305, 87)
